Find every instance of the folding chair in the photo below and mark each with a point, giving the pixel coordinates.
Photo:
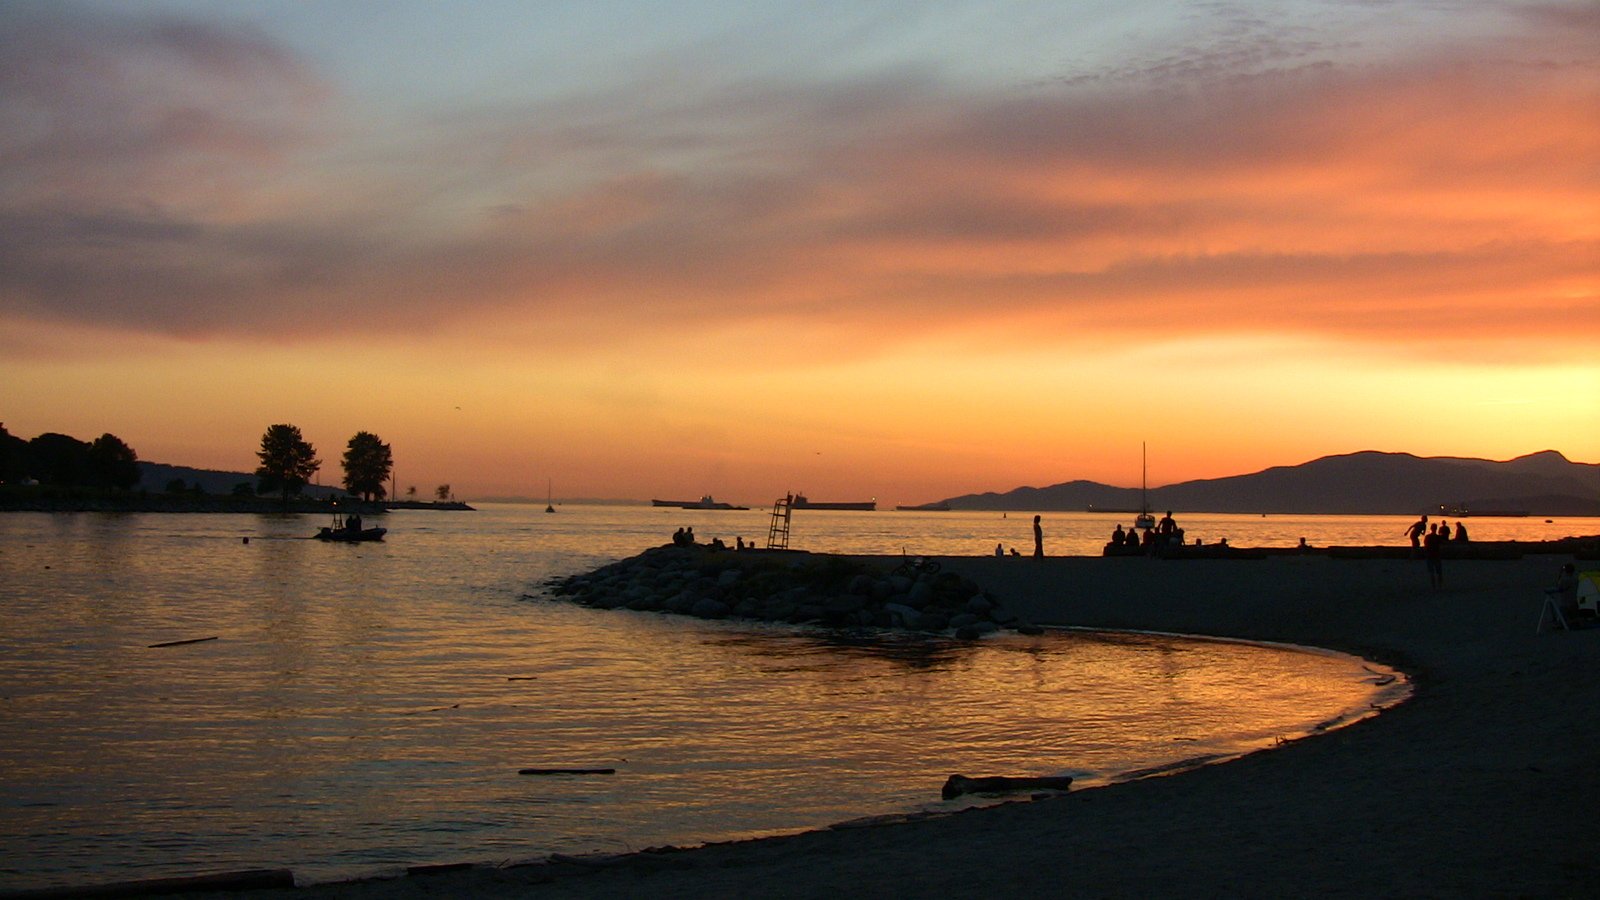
(1551, 608)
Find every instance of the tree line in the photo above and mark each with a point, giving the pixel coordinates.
(287, 463)
(57, 459)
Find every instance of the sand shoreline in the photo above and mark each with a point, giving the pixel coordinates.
(1485, 783)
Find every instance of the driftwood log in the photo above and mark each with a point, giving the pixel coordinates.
(956, 785)
(566, 771)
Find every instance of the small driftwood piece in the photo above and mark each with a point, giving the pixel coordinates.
(566, 771)
(956, 785)
(181, 643)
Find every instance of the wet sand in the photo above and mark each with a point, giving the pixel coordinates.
(1486, 783)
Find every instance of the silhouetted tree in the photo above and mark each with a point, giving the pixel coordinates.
(287, 461)
(112, 463)
(411, 492)
(58, 459)
(367, 463)
(442, 492)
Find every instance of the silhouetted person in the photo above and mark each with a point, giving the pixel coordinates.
(739, 542)
(688, 536)
(1433, 552)
(1461, 533)
(1416, 531)
(1131, 539)
(1038, 539)
(1117, 537)
(1167, 525)
(999, 550)
(677, 537)
(1444, 530)
(1565, 592)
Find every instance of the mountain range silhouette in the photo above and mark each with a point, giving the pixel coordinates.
(1365, 483)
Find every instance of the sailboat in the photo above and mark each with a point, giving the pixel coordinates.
(1145, 519)
(549, 498)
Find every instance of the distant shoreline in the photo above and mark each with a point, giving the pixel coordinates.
(67, 500)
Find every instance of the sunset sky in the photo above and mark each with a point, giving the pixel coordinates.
(893, 250)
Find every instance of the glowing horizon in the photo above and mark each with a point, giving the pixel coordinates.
(969, 247)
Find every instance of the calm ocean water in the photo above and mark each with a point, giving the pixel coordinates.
(367, 707)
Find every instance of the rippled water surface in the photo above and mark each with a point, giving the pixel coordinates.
(366, 707)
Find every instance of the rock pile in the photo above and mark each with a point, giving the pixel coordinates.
(799, 588)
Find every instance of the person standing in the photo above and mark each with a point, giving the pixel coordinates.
(1433, 552)
(1038, 539)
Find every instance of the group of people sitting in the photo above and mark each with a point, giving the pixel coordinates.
(1135, 540)
(1424, 535)
(684, 537)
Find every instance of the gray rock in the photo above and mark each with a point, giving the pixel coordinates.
(846, 603)
(707, 608)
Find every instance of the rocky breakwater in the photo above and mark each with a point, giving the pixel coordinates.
(796, 588)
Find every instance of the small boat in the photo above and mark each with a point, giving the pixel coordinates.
(549, 498)
(349, 531)
(703, 503)
(800, 502)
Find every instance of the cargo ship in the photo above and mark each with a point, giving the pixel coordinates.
(801, 502)
(936, 506)
(703, 503)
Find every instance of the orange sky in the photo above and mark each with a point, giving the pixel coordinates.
(1248, 236)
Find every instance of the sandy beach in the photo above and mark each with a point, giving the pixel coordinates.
(1486, 783)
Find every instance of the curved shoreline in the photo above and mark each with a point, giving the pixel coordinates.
(1483, 784)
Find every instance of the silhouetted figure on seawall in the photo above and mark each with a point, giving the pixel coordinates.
(1433, 552)
(1461, 533)
(1038, 539)
(1444, 529)
(1117, 537)
(1415, 532)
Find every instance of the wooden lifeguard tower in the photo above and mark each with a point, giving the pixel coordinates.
(778, 531)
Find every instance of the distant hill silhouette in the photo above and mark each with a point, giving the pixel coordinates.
(155, 477)
(1369, 482)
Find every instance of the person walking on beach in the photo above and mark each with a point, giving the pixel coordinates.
(1038, 539)
(1415, 532)
(1433, 551)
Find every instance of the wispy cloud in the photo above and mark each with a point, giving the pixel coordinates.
(1250, 183)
